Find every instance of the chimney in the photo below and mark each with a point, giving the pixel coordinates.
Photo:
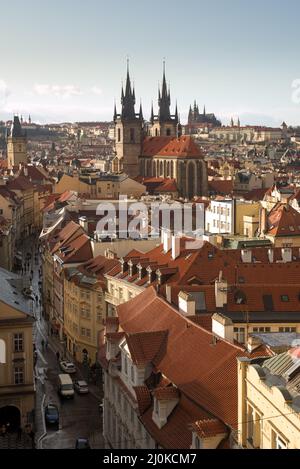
(175, 247)
(169, 293)
(253, 343)
(286, 254)
(246, 255)
(221, 288)
(271, 255)
(186, 304)
(83, 222)
(262, 221)
(166, 239)
(222, 327)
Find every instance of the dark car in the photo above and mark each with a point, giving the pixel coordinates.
(51, 414)
(82, 443)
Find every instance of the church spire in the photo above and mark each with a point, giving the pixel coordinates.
(141, 112)
(128, 99)
(204, 110)
(164, 100)
(176, 113)
(152, 114)
(115, 111)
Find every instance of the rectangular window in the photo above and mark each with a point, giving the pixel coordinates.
(18, 342)
(99, 315)
(285, 298)
(19, 375)
(239, 334)
(88, 333)
(82, 331)
(287, 329)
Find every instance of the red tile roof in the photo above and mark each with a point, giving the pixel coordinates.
(166, 393)
(182, 147)
(207, 428)
(146, 347)
(205, 373)
(220, 186)
(283, 220)
(143, 398)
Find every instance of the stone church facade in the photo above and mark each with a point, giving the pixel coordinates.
(157, 150)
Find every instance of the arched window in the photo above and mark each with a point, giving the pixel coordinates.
(2, 351)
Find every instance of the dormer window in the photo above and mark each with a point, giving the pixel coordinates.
(240, 298)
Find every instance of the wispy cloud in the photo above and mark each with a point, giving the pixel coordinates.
(96, 90)
(4, 93)
(64, 91)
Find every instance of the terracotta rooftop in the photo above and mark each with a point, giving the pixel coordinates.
(182, 147)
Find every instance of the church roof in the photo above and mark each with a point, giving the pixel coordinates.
(182, 147)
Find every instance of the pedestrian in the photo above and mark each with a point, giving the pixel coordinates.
(57, 355)
(43, 344)
(46, 344)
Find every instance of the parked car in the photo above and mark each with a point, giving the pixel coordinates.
(65, 386)
(82, 443)
(81, 387)
(67, 367)
(51, 414)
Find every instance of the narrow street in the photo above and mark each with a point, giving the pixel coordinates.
(79, 417)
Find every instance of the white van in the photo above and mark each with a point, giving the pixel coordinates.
(65, 386)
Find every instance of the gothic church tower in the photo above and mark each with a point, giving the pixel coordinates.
(129, 133)
(16, 145)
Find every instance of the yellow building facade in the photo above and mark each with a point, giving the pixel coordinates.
(17, 393)
(268, 415)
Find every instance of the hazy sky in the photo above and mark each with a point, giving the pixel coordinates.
(65, 59)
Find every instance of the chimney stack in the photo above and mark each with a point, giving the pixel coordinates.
(175, 247)
(221, 287)
(186, 304)
(222, 327)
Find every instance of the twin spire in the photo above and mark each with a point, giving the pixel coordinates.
(128, 102)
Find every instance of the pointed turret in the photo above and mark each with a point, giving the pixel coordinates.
(115, 112)
(190, 117)
(176, 113)
(152, 114)
(164, 100)
(128, 99)
(141, 112)
(231, 122)
(204, 110)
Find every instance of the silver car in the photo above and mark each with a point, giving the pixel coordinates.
(81, 387)
(67, 367)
